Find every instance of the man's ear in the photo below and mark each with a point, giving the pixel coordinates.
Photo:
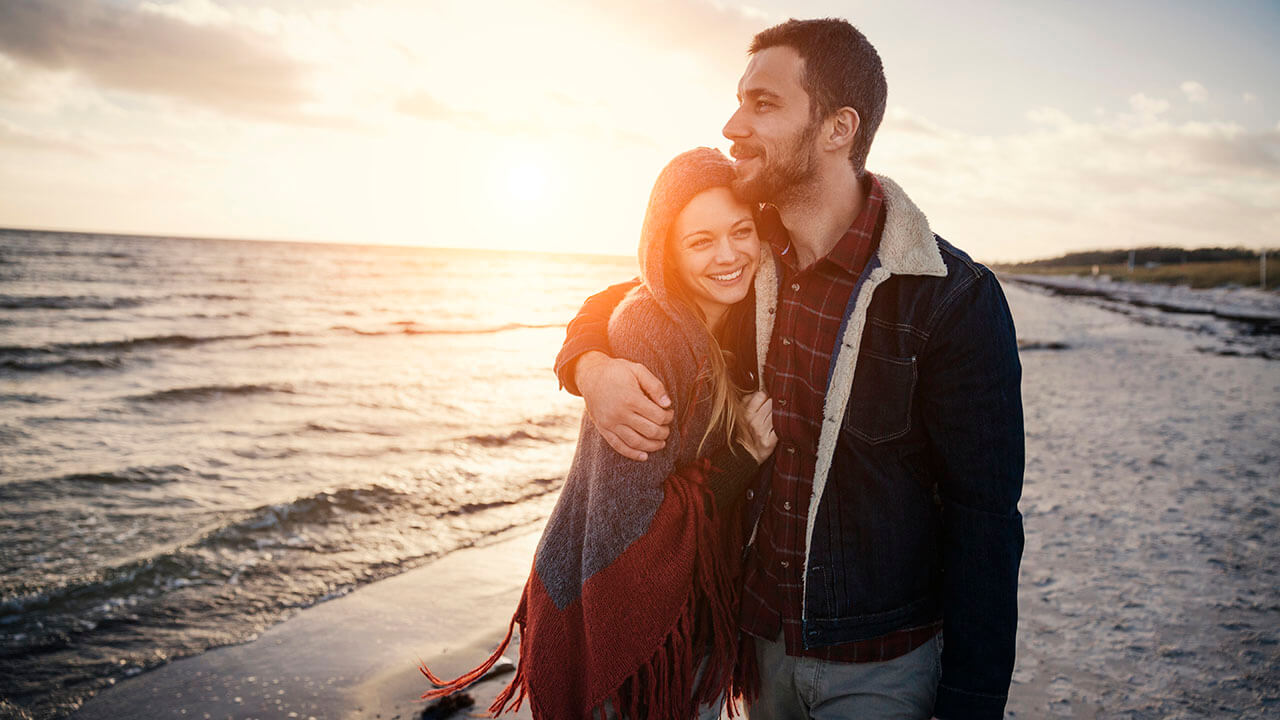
(844, 125)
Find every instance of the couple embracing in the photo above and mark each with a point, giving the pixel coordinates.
(799, 471)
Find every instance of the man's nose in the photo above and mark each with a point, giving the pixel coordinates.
(735, 129)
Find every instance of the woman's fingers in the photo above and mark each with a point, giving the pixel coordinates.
(762, 416)
(759, 415)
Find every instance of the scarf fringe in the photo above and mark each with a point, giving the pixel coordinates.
(444, 687)
(665, 687)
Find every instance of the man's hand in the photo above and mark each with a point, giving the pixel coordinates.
(627, 403)
(759, 410)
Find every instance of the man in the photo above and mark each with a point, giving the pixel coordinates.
(888, 521)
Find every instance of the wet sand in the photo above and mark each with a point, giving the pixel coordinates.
(1149, 580)
(353, 657)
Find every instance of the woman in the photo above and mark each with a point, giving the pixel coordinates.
(631, 608)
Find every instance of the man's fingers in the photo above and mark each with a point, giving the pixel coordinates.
(622, 448)
(653, 413)
(636, 442)
(648, 429)
(651, 385)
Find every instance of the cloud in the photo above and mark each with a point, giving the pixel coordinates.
(1194, 91)
(1070, 183)
(425, 106)
(717, 32)
(157, 53)
(15, 137)
(1146, 106)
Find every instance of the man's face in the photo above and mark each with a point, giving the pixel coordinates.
(773, 136)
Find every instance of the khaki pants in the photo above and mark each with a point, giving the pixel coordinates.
(799, 688)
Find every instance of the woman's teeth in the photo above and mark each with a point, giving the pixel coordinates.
(727, 277)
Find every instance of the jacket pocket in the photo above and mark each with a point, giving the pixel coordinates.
(880, 400)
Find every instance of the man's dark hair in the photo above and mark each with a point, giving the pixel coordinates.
(841, 69)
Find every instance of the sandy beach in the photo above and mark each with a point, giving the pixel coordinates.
(1148, 584)
(354, 657)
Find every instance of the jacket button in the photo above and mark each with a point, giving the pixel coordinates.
(791, 449)
(795, 287)
(751, 494)
(782, 402)
(786, 505)
(785, 564)
(786, 341)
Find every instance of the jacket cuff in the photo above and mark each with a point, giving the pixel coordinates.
(567, 360)
(955, 704)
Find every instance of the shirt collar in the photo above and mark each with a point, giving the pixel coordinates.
(853, 250)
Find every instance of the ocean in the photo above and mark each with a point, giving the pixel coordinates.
(200, 437)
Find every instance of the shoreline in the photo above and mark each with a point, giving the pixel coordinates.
(351, 657)
(1254, 307)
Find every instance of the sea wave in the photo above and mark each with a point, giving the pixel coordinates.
(92, 483)
(325, 428)
(68, 302)
(412, 328)
(504, 439)
(210, 392)
(138, 343)
(216, 554)
(37, 364)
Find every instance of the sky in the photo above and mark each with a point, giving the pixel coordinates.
(1023, 130)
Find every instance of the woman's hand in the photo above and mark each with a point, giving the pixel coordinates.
(761, 439)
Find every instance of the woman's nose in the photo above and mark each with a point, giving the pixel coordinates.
(724, 251)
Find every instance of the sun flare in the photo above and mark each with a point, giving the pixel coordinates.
(526, 183)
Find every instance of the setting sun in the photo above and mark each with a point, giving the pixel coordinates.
(526, 184)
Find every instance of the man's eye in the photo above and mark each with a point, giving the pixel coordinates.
(762, 104)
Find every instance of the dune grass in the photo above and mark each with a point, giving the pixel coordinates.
(1243, 273)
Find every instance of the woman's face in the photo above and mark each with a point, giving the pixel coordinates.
(715, 250)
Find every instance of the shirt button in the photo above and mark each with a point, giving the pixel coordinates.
(786, 505)
(791, 449)
(785, 564)
(786, 341)
(795, 287)
(782, 402)
(751, 494)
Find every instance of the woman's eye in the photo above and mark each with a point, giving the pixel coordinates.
(742, 232)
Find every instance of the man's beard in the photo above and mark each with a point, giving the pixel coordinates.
(780, 178)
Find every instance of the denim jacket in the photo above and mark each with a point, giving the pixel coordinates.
(920, 460)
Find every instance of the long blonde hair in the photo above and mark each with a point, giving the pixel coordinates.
(728, 411)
